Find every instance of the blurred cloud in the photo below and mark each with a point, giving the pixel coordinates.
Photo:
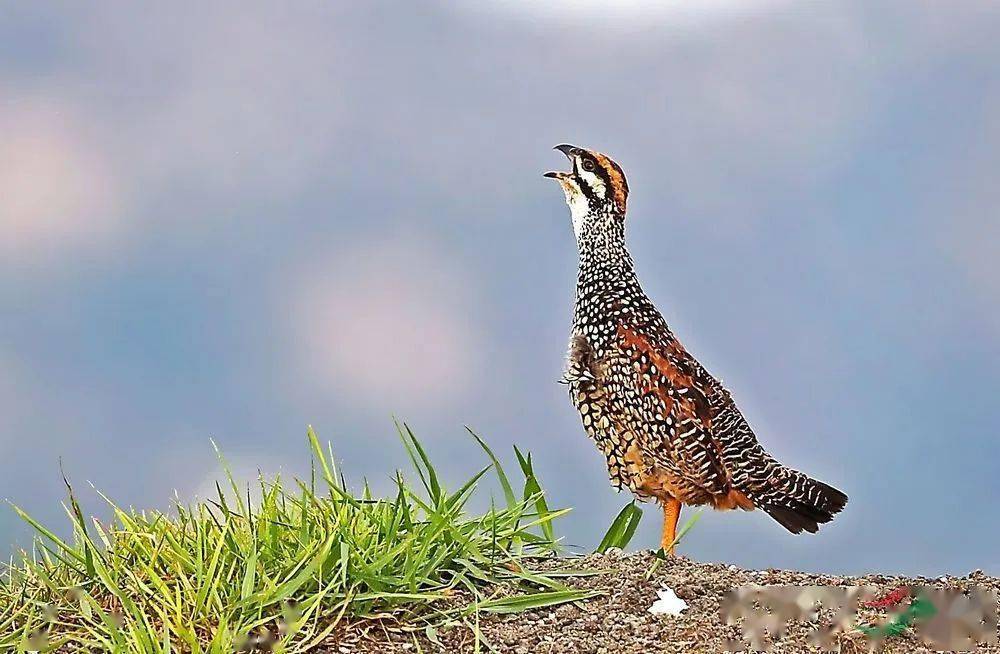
(58, 193)
(687, 112)
(246, 472)
(259, 111)
(634, 10)
(388, 324)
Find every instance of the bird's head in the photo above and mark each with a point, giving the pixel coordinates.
(595, 186)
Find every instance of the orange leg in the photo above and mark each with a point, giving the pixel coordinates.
(671, 512)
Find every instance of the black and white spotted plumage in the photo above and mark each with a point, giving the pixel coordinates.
(668, 429)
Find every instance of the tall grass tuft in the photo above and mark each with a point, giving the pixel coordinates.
(284, 570)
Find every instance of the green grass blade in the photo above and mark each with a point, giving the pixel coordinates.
(508, 490)
(686, 527)
(533, 490)
(620, 533)
(519, 603)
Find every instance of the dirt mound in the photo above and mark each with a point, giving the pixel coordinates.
(619, 622)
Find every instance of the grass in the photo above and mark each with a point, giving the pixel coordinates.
(284, 569)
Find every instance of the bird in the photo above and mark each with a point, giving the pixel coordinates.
(669, 431)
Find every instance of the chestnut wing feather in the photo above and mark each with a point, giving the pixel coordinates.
(679, 401)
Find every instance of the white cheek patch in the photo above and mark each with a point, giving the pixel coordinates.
(596, 182)
(578, 206)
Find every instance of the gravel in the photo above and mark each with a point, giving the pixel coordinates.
(618, 621)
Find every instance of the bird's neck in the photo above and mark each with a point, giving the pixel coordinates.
(601, 244)
(606, 275)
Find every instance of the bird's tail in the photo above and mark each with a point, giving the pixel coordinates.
(798, 502)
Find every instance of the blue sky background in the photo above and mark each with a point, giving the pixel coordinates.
(230, 220)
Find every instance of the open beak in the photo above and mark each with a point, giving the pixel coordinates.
(569, 151)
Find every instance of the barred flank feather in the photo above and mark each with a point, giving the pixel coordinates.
(800, 503)
(797, 502)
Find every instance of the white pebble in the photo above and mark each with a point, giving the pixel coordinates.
(668, 604)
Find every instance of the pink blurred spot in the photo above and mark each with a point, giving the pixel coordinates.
(389, 326)
(57, 195)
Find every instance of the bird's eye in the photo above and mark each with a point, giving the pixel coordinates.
(589, 165)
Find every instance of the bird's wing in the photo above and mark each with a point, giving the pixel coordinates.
(678, 401)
